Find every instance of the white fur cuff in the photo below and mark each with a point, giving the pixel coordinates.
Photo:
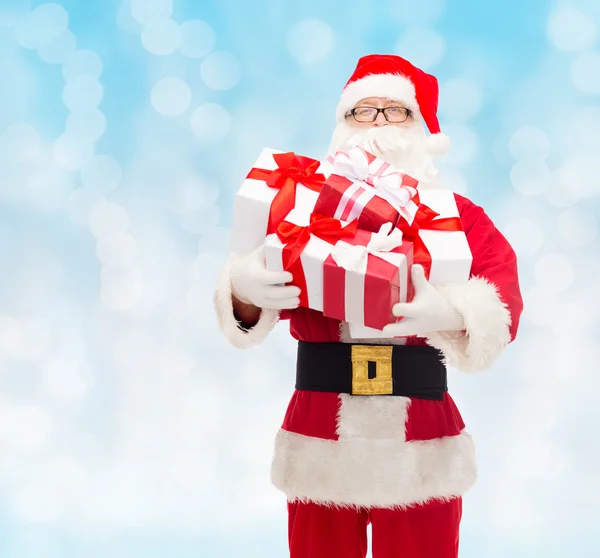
(222, 300)
(487, 322)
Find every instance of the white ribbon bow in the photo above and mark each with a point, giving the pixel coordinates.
(354, 258)
(389, 186)
(355, 166)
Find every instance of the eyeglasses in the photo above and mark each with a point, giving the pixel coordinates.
(369, 114)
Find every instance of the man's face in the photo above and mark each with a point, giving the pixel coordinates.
(397, 113)
(399, 139)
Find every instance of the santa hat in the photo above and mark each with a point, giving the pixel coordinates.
(392, 77)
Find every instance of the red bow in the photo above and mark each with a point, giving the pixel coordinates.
(291, 170)
(425, 219)
(296, 238)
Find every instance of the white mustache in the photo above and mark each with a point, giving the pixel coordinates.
(401, 146)
(387, 140)
(383, 140)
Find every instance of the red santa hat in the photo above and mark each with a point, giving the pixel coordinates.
(392, 77)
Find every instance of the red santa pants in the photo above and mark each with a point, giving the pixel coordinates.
(423, 531)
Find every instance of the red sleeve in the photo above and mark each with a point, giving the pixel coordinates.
(493, 258)
(489, 302)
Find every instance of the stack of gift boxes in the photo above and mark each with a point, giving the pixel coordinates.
(349, 238)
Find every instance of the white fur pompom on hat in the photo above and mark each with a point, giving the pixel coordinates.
(437, 144)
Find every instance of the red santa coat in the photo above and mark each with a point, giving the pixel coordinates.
(389, 451)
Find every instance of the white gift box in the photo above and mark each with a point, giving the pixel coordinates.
(314, 254)
(252, 206)
(451, 256)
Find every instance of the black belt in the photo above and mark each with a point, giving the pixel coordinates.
(405, 370)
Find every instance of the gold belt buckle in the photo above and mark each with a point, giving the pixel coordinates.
(381, 355)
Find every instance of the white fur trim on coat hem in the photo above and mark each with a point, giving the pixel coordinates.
(487, 321)
(390, 86)
(223, 304)
(381, 473)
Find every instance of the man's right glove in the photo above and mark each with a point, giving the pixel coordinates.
(253, 283)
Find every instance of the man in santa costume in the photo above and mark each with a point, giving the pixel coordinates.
(399, 461)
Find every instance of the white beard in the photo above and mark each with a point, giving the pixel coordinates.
(401, 146)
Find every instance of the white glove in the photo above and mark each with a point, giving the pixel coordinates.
(253, 283)
(429, 311)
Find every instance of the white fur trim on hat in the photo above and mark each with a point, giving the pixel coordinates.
(390, 86)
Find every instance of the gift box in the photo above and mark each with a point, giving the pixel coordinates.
(365, 276)
(269, 193)
(362, 186)
(439, 243)
(301, 244)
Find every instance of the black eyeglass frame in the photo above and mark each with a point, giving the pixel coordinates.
(353, 111)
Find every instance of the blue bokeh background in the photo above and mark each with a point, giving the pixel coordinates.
(128, 426)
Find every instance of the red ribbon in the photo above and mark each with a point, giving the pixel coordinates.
(425, 219)
(291, 170)
(295, 239)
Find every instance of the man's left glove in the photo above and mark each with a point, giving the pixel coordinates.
(428, 312)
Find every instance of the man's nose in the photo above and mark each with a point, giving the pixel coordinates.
(380, 120)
